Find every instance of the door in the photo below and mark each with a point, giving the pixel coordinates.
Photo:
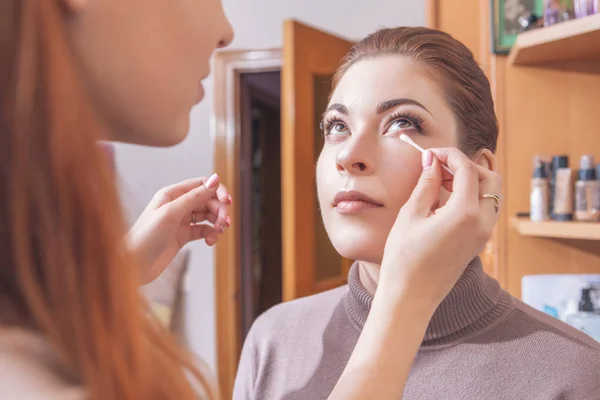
(310, 58)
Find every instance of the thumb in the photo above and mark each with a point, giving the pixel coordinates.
(196, 198)
(426, 194)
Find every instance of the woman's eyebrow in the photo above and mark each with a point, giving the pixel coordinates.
(386, 105)
(337, 107)
(381, 107)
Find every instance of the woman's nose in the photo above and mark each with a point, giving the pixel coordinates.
(227, 35)
(353, 159)
(355, 167)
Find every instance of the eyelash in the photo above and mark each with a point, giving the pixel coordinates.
(415, 119)
(329, 123)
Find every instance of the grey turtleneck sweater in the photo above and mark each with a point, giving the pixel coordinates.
(481, 344)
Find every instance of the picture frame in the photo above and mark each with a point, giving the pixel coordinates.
(505, 24)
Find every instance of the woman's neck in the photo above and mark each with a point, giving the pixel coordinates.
(474, 303)
(368, 274)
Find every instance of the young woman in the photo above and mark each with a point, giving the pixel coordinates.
(481, 342)
(72, 323)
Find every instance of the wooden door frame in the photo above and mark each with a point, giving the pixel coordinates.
(226, 124)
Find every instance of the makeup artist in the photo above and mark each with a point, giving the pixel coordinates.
(72, 323)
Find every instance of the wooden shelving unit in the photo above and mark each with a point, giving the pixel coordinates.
(556, 230)
(571, 41)
(546, 94)
(549, 105)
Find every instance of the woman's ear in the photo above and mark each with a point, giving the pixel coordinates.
(486, 159)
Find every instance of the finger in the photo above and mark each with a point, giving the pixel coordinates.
(223, 216)
(196, 198)
(223, 195)
(172, 192)
(491, 185)
(211, 240)
(426, 195)
(465, 185)
(201, 216)
(202, 231)
(215, 207)
(447, 179)
(447, 185)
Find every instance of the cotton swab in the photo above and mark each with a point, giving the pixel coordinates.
(408, 140)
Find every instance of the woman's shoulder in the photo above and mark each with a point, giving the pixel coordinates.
(567, 356)
(306, 312)
(551, 331)
(31, 370)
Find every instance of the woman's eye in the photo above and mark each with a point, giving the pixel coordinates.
(338, 129)
(401, 124)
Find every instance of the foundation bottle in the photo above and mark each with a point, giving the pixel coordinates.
(586, 191)
(561, 187)
(540, 191)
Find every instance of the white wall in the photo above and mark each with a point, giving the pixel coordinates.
(258, 25)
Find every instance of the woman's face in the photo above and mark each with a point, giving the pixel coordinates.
(143, 61)
(365, 173)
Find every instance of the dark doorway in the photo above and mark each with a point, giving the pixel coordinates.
(260, 182)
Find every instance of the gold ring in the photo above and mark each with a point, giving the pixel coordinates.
(194, 218)
(496, 199)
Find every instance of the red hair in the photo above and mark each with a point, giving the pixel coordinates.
(64, 268)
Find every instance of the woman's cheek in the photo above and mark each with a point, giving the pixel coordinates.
(402, 176)
(325, 175)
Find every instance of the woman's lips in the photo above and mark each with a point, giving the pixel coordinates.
(354, 206)
(353, 201)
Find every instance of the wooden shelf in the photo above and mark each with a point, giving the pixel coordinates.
(556, 229)
(570, 41)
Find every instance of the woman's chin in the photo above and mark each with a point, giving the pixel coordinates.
(357, 249)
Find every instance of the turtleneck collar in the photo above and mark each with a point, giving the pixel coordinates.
(474, 303)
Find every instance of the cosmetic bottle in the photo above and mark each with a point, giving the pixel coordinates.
(556, 11)
(587, 191)
(598, 187)
(586, 320)
(583, 8)
(571, 308)
(550, 12)
(561, 186)
(540, 191)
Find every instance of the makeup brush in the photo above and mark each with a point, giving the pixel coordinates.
(408, 140)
